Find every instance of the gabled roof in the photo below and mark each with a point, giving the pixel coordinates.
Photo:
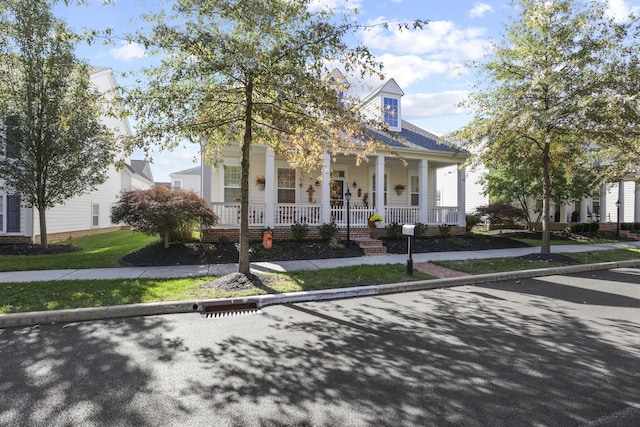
(414, 137)
(141, 168)
(390, 87)
(191, 171)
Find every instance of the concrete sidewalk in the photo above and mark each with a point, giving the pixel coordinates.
(283, 266)
(257, 302)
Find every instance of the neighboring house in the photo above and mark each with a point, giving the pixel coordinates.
(401, 194)
(474, 191)
(188, 179)
(82, 215)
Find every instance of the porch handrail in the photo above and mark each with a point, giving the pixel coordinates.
(229, 213)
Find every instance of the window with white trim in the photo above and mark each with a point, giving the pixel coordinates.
(95, 214)
(373, 190)
(177, 183)
(414, 188)
(286, 185)
(12, 136)
(232, 178)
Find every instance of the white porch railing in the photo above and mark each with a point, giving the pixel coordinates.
(286, 214)
(402, 215)
(442, 215)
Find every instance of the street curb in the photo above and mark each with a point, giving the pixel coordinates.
(152, 309)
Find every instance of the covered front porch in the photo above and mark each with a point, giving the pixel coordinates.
(412, 191)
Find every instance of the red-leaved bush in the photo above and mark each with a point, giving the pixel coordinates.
(171, 213)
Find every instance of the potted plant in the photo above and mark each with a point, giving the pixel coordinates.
(260, 181)
(399, 189)
(374, 220)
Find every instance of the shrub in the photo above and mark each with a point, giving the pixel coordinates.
(594, 227)
(300, 231)
(223, 240)
(327, 231)
(173, 214)
(334, 244)
(394, 230)
(501, 213)
(445, 231)
(421, 229)
(472, 221)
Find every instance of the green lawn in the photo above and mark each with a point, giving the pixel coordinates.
(36, 296)
(99, 251)
(496, 265)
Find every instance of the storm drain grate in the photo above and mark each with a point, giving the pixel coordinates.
(228, 310)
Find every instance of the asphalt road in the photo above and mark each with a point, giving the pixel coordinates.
(558, 351)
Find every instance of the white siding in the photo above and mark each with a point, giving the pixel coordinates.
(474, 196)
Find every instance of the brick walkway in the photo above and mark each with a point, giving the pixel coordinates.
(437, 271)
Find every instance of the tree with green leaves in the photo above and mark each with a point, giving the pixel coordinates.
(170, 213)
(558, 98)
(252, 71)
(55, 146)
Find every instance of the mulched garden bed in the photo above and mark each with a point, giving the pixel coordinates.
(29, 249)
(450, 244)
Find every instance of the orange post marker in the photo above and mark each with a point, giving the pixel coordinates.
(267, 240)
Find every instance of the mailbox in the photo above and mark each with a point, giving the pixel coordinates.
(409, 230)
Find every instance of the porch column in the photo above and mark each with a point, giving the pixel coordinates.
(205, 181)
(462, 222)
(621, 198)
(603, 203)
(584, 207)
(325, 196)
(636, 205)
(269, 188)
(423, 185)
(380, 207)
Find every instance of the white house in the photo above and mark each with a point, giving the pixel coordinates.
(188, 179)
(383, 185)
(86, 214)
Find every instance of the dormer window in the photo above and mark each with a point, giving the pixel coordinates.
(391, 112)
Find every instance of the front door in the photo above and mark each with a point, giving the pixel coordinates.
(337, 192)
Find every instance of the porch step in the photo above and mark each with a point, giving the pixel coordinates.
(371, 246)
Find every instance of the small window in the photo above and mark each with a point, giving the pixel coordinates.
(177, 183)
(232, 178)
(390, 106)
(286, 185)
(415, 190)
(95, 215)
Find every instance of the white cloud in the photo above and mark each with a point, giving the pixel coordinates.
(408, 69)
(441, 40)
(479, 9)
(334, 4)
(426, 105)
(128, 50)
(620, 9)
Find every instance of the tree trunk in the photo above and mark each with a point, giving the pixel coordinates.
(43, 227)
(166, 239)
(546, 201)
(243, 257)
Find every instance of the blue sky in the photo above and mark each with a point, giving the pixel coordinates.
(429, 65)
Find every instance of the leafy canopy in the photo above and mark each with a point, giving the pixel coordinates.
(558, 100)
(56, 145)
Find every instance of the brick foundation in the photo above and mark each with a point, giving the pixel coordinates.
(212, 235)
(59, 237)
(8, 240)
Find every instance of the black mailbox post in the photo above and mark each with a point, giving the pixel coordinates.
(409, 230)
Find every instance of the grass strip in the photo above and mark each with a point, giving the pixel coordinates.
(496, 265)
(57, 295)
